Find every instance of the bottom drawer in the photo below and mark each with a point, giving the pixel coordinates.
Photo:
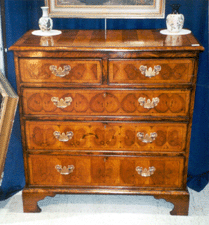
(53, 170)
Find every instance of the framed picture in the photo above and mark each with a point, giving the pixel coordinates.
(8, 105)
(107, 8)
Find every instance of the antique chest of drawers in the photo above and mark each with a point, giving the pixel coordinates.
(106, 113)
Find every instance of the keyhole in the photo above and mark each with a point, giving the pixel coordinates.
(105, 159)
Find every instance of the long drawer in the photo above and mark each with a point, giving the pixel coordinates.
(114, 136)
(58, 70)
(152, 71)
(91, 102)
(48, 170)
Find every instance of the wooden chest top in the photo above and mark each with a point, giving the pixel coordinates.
(87, 40)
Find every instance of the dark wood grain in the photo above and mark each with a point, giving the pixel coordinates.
(180, 202)
(30, 201)
(171, 71)
(126, 54)
(80, 71)
(105, 171)
(170, 137)
(130, 40)
(180, 199)
(106, 102)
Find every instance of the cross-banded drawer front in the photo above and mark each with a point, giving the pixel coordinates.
(151, 71)
(106, 102)
(46, 170)
(153, 137)
(61, 70)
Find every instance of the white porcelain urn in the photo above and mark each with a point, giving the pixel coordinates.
(45, 22)
(175, 21)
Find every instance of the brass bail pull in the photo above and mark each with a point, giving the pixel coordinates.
(64, 170)
(62, 136)
(62, 103)
(146, 138)
(148, 104)
(150, 72)
(145, 172)
(60, 72)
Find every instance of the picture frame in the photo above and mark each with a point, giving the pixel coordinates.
(8, 105)
(125, 9)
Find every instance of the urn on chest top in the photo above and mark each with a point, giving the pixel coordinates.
(45, 22)
(175, 21)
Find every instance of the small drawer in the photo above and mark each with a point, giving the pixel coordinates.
(106, 102)
(65, 170)
(152, 71)
(114, 136)
(61, 70)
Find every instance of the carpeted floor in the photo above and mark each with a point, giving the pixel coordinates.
(105, 209)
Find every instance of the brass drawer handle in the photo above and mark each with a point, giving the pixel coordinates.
(146, 138)
(60, 72)
(145, 172)
(62, 136)
(150, 72)
(148, 104)
(65, 170)
(62, 103)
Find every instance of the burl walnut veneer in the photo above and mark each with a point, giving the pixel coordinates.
(106, 113)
